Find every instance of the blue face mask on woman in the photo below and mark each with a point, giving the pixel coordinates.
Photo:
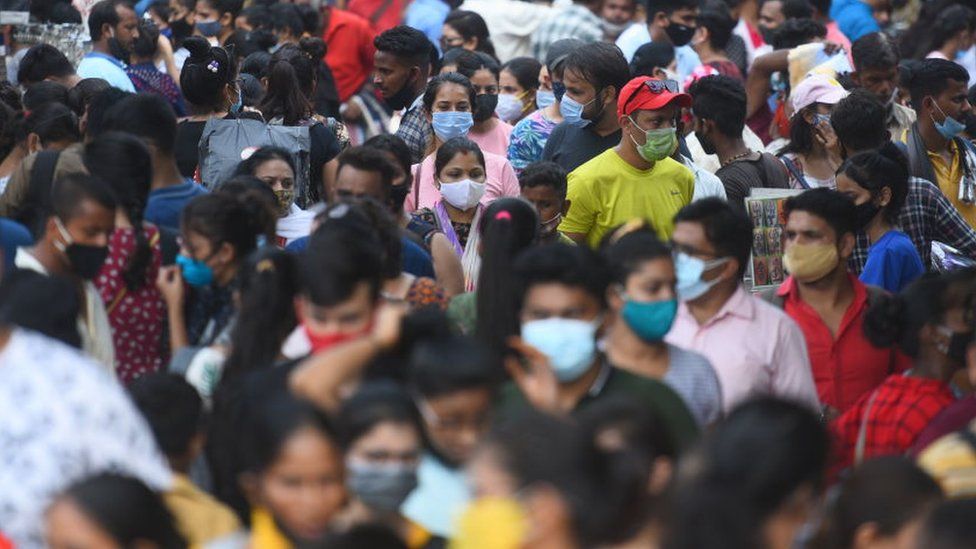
(208, 28)
(196, 273)
(451, 124)
(650, 320)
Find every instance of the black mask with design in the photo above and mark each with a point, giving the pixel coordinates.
(679, 34)
(402, 98)
(484, 107)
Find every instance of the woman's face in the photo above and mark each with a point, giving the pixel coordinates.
(850, 188)
(451, 38)
(304, 488)
(277, 174)
(452, 97)
(388, 443)
(509, 84)
(68, 527)
(653, 280)
(782, 527)
(218, 256)
(463, 166)
(484, 81)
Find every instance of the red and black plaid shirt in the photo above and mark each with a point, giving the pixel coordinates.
(903, 406)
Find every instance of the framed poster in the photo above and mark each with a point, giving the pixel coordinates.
(14, 12)
(765, 208)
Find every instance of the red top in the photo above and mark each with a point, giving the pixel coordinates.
(848, 366)
(902, 407)
(349, 39)
(383, 14)
(136, 317)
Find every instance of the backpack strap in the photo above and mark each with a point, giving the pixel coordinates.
(794, 171)
(770, 296)
(39, 189)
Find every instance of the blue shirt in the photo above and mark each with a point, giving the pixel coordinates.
(165, 205)
(99, 65)
(428, 17)
(893, 262)
(413, 258)
(854, 18)
(637, 35)
(13, 235)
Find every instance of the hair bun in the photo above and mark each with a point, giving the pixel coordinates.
(198, 47)
(313, 47)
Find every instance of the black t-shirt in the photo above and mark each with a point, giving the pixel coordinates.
(188, 134)
(571, 147)
(741, 176)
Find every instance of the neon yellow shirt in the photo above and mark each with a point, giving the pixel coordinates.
(607, 192)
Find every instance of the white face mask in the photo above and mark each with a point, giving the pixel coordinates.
(509, 107)
(464, 194)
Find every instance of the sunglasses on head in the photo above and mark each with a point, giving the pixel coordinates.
(656, 87)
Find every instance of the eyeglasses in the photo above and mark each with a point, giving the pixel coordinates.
(656, 87)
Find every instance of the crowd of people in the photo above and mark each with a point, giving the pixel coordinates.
(494, 274)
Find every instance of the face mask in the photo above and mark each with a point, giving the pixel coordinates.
(950, 127)
(546, 228)
(208, 28)
(572, 111)
(285, 198)
(650, 320)
(484, 106)
(613, 30)
(464, 194)
(559, 90)
(167, 32)
(569, 344)
(321, 343)
(958, 344)
(451, 124)
(658, 143)
(402, 98)
(819, 118)
(383, 486)
(810, 262)
(679, 34)
(85, 260)
(503, 520)
(767, 34)
(544, 99)
(509, 107)
(196, 273)
(689, 271)
(865, 213)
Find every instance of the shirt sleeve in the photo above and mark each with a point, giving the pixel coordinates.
(950, 227)
(582, 210)
(881, 270)
(793, 376)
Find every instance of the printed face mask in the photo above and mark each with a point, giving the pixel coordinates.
(285, 198)
(658, 143)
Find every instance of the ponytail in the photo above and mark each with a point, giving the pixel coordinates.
(509, 225)
(291, 75)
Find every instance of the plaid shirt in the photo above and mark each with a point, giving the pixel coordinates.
(927, 215)
(902, 407)
(415, 130)
(575, 21)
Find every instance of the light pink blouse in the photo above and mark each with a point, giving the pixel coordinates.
(495, 140)
(501, 181)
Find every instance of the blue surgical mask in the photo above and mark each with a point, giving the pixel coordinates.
(950, 127)
(569, 344)
(689, 271)
(819, 118)
(208, 28)
(544, 98)
(450, 124)
(572, 111)
(196, 273)
(650, 320)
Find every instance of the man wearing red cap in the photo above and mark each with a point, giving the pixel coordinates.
(635, 179)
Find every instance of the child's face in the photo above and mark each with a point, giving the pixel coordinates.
(547, 203)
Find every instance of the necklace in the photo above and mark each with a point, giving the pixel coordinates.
(737, 157)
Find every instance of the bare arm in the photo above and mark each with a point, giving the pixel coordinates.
(447, 265)
(757, 83)
(170, 284)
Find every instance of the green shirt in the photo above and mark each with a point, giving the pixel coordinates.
(663, 402)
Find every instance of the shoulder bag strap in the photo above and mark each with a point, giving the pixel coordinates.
(862, 432)
(795, 171)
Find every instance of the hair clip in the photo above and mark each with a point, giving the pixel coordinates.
(213, 66)
(503, 215)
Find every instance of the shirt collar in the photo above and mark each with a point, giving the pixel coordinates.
(738, 304)
(106, 57)
(416, 103)
(600, 383)
(789, 291)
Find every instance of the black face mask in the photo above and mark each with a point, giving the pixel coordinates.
(865, 213)
(402, 98)
(706, 143)
(679, 34)
(85, 260)
(484, 107)
(767, 34)
(958, 345)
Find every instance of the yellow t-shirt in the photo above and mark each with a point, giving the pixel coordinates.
(607, 192)
(948, 177)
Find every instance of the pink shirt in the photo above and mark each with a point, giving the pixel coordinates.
(755, 348)
(495, 140)
(501, 181)
(834, 35)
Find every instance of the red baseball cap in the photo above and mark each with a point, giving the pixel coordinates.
(647, 93)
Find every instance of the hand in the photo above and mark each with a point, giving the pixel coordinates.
(534, 376)
(824, 134)
(387, 327)
(169, 282)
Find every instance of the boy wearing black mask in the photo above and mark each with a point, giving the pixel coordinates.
(75, 244)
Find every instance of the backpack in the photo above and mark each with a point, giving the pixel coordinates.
(225, 143)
